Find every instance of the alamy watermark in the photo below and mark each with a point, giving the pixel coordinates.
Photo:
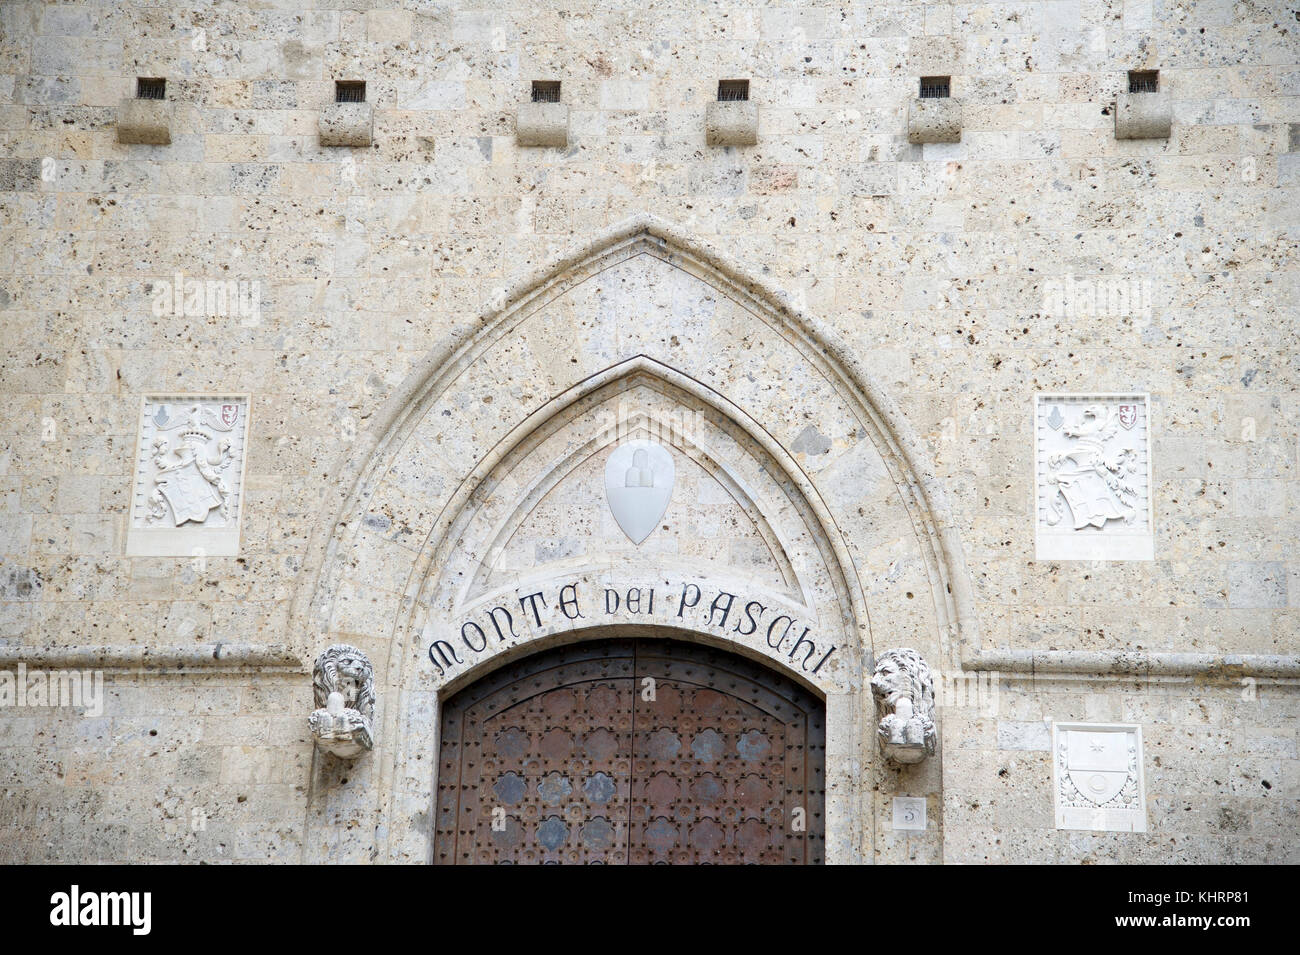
(83, 689)
(130, 909)
(977, 691)
(1113, 297)
(209, 298)
(629, 419)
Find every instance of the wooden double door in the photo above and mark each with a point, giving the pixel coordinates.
(632, 751)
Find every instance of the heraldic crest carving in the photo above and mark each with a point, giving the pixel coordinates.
(190, 467)
(1095, 483)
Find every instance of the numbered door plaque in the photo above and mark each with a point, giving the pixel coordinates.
(909, 813)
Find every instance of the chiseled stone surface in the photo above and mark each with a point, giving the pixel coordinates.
(871, 469)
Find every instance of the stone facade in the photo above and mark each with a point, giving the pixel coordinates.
(838, 334)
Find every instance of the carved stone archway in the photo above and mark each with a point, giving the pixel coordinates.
(475, 530)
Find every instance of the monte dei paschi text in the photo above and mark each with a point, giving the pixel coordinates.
(583, 604)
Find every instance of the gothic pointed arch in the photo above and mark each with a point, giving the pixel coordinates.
(477, 487)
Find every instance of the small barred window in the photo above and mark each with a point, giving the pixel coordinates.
(731, 91)
(150, 88)
(1143, 81)
(350, 91)
(935, 87)
(546, 91)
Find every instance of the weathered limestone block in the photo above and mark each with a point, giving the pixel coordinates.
(904, 692)
(934, 120)
(542, 124)
(731, 123)
(1143, 115)
(343, 682)
(144, 121)
(347, 124)
(20, 175)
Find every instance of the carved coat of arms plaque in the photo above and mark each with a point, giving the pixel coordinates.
(1093, 478)
(1098, 777)
(189, 477)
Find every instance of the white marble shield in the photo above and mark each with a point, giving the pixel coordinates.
(1098, 764)
(638, 483)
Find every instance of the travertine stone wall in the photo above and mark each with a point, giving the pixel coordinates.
(963, 277)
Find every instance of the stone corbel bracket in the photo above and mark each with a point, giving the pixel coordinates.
(904, 691)
(144, 122)
(343, 682)
(347, 124)
(1143, 115)
(542, 124)
(731, 123)
(934, 120)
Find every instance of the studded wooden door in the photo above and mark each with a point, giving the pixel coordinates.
(631, 751)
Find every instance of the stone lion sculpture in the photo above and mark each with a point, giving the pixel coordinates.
(904, 692)
(344, 685)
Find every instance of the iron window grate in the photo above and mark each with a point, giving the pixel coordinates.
(546, 91)
(150, 88)
(936, 87)
(733, 91)
(1143, 81)
(350, 91)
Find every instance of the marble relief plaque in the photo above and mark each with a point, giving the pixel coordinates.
(1093, 477)
(1097, 777)
(188, 487)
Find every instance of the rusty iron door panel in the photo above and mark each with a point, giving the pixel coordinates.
(641, 751)
(727, 762)
(535, 761)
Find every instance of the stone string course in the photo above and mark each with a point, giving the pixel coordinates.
(931, 263)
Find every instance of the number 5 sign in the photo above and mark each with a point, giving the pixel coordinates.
(909, 812)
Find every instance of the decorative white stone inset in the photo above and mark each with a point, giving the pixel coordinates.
(189, 477)
(1093, 488)
(638, 483)
(1097, 777)
(909, 813)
